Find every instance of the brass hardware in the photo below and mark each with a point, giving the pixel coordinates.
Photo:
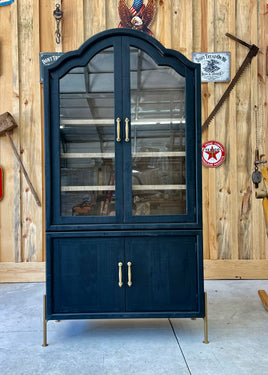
(129, 283)
(120, 264)
(118, 139)
(44, 322)
(127, 130)
(206, 322)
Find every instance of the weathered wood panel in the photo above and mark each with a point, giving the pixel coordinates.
(7, 245)
(16, 138)
(235, 242)
(22, 272)
(30, 128)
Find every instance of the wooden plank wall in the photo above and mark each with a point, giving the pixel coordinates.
(235, 243)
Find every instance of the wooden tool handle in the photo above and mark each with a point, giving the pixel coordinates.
(24, 170)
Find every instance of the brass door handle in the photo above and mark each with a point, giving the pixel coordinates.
(118, 139)
(129, 283)
(120, 283)
(127, 129)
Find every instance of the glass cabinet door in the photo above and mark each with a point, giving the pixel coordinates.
(157, 137)
(123, 136)
(87, 148)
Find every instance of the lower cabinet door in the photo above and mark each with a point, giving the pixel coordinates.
(164, 273)
(83, 275)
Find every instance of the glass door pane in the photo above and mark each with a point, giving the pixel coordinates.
(157, 137)
(87, 138)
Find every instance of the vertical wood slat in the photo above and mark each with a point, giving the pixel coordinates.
(80, 23)
(167, 24)
(232, 140)
(112, 17)
(88, 19)
(7, 244)
(211, 223)
(201, 45)
(47, 26)
(263, 113)
(244, 164)
(189, 28)
(16, 139)
(178, 22)
(222, 178)
(30, 128)
(256, 213)
(69, 26)
(99, 21)
(158, 27)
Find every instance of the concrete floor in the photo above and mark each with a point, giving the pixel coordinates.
(238, 334)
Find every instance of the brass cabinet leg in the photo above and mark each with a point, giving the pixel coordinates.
(206, 322)
(44, 322)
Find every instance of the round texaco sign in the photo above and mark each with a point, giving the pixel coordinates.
(213, 154)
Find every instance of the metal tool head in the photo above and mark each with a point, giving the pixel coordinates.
(7, 123)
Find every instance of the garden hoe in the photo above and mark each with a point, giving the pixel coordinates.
(7, 123)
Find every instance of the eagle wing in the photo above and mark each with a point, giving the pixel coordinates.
(124, 14)
(148, 13)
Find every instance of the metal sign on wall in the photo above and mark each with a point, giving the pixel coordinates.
(5, 2)
(47, 58)
(213, 154)
(215, 66)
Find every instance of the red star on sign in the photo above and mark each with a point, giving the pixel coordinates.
(212, 153)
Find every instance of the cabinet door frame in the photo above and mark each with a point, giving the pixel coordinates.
(119, 39)
(60, 271)
(52, 76)
(166, 269)
(123, 237)
(192, 159)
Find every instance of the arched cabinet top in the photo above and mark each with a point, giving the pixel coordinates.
(96, 43)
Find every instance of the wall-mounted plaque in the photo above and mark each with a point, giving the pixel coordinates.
(47, 58)
(213, 154)
(215, 67)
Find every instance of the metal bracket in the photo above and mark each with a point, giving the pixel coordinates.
(58, 14)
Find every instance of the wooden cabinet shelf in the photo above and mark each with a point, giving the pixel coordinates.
(88, 188)
(109, 155)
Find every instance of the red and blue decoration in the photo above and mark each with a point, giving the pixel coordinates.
(6, 2)
(213, 154)
(138, 16)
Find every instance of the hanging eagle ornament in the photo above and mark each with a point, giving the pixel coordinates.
(138, 16)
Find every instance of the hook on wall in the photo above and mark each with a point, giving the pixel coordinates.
(58, 14)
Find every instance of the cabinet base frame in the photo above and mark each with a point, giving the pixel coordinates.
(45, 322)
(206, 321)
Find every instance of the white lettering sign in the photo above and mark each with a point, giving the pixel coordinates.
(215, 67)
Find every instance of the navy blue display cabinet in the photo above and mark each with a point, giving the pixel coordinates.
(123, 181)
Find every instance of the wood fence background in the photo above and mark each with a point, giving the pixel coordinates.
(235, 241)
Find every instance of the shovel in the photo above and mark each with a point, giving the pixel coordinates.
(7, 123)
